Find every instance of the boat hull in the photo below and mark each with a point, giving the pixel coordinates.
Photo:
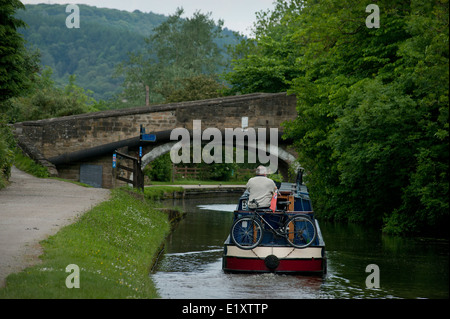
(275, 259)
(276, 251)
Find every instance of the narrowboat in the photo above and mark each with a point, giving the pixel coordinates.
(285, 240)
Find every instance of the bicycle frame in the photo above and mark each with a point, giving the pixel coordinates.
(275, 231)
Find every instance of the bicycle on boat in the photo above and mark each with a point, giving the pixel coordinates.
(247, 231)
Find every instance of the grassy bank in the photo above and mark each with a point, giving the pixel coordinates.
(113, 244)
(161, 192)
(26, 164)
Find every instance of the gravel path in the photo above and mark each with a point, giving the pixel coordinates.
(31, 209)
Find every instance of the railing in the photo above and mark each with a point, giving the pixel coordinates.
(188, 172)
(199, 172)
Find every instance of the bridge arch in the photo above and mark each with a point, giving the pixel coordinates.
(275, 151)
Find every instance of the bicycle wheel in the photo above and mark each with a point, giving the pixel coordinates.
(246, 232)
(301, 231)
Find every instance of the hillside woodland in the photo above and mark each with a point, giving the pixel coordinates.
(106, 38)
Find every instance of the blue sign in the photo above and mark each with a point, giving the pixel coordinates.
(114, 160)
(148, 137)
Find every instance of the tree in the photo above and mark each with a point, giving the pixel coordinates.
(7, 144)
(13, 68)
(194, 88)
(367, 111)
(160, 169)
(178, 49)
(267, 62)
(188, 43)
(45, 100)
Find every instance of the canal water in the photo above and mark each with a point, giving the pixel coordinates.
(191, 265)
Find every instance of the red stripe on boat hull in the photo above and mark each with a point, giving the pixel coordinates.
(235, 264)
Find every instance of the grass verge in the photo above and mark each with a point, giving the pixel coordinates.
(161, 192)
(26, 164)
(113, 244)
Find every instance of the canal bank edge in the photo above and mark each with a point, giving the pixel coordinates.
(181, 192)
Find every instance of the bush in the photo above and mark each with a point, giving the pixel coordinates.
(160, 169)
(7, 144)
(26, 164)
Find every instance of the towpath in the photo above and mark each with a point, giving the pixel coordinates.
(31, 209)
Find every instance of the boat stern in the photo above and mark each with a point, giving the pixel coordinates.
(276, 259)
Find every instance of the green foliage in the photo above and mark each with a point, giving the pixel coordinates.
(266, 63)
(91, 52)
(45, 100)
(7, 144)
(372, 125)
(15, 66)
(278, 178)
(180, 61)
(160, 169)
(221, 171)
(26, 164)
(225, 171)
(187, 43)
(200, 87)
(161, 192)
(12, 60)
(96, 52)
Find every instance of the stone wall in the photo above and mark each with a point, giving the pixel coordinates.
(69, 134)
(262, 110)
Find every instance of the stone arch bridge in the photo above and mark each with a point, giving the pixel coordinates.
(73, 147)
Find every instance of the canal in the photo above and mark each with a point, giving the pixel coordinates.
(191, 265)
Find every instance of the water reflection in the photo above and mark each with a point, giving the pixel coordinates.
(192, 265)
